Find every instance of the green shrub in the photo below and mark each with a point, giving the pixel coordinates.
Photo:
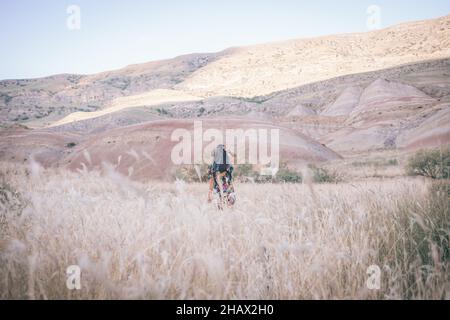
(162, 111)
(288, 176)
(201, 111)
(11, 201)
(434, 164)
(392, 162)
(375, 163)
(243, 170)
(191, 173)
(323, 175)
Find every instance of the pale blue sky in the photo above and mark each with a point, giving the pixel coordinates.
(35, 40)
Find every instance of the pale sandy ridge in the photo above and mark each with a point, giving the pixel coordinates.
(151, 98)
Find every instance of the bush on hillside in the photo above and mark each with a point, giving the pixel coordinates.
(433, 164)
(324, 175)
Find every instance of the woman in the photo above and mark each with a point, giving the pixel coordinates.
(221, 166)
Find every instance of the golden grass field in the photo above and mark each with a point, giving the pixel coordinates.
(161, 240)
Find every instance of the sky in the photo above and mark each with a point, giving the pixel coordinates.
(45, 37)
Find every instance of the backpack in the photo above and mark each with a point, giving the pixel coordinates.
(221, 156)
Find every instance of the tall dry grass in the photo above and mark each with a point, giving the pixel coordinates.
(157, 241)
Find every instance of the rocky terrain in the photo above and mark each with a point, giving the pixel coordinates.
(52, 98)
